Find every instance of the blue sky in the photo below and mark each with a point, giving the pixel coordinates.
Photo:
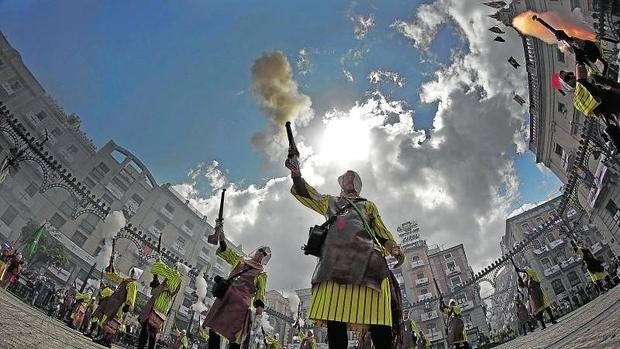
(170, 80)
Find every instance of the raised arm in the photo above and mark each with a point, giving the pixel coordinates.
(309, 196)
(114, 276)
(261, 287)
(173, 277)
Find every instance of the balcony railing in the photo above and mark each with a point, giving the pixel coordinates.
(166, 213)
(556, 243)
(204, 256)
(597, 247)
(187, 230)
(183, 310)
(542, 250)
(425, 296)
(569, 262)
(189, 290)
(436, 335)
(421, 281)
(552, 270)
(416, 264)
(454, 270)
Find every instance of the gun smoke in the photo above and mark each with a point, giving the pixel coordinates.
(108, 230)
(527, 26)
(201, 292)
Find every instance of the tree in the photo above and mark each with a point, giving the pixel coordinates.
(50, 251)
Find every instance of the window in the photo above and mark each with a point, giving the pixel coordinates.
(546, 263)
(41, 115)
(122, 186)
(107, 198)
(189, 224)
(159, 225)
(79, 238)
(447, 256)
(89, 223)
(97, 250)
(9, 215)
(611, 207)
(57, 221)
(57, 132)
(560, 55)
(423, 291)
(32, 189)
(562, 108)
(100, 171)
(169, 208)
(536, 244)
(67, 207)
(431, 327)
(540, 221)
(137, 199)
(415, 258)
(451, 265)
(90, 184)
(180, 244)
(559, 150)
(573, 279)
(525, 227)
(460, 298)
(558, 287)
(455, 281)
(420, 275)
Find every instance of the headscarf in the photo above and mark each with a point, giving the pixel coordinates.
(135, 273)
(350, 184)
(182, 268)
(259, 261)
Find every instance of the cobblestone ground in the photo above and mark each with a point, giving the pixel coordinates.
(24, 327)
(595, 325)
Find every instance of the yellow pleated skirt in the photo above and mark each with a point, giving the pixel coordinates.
(358, 306)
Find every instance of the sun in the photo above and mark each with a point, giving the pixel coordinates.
(345, 139)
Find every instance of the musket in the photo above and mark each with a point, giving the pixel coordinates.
(155, 282)
(441, 304)
(561, 35)
(214, 238)
(110, 267)
(292, 147)
(521, 282)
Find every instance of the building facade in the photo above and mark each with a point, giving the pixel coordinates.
(551, 255)
(111, 173)
(556, 127)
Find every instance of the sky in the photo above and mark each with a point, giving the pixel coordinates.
(414, 96)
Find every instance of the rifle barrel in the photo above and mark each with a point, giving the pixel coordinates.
(220, 215)
(545, 24)
(291, 139)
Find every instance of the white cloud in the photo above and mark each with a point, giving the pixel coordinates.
(304, 66)
(379, 76)
(458, 181)
(362, 25)
(422, 31)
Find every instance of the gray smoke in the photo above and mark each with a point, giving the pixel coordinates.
(201, 291)
(108, 230)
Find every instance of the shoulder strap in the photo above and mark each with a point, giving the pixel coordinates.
(238, 273)
(366, 227)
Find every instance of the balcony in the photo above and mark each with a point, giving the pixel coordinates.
(425, 296)
(467, 305)
(552, 270)
(435, 336)
(597, 247)
(187, 230)
(556, 243)
(421, 281)
(416, 264)
(166, 213)
(114, 190)
(454, 270)
(189, 290)
(569, 262)
(204, 256)
(542, 250)
(184, 311)
(456, 288)
(429, 315)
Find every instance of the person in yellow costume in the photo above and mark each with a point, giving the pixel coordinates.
(230, 316)
(82, 302)
(105, 291)
(120, 302)
(181, 342)
(593, 265)
(539, 303)
(353, 289)
(273, 342)
(457, 337)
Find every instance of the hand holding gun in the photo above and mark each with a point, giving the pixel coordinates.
(218, 234)
(110, 267)
(292, 159)
(155, 282)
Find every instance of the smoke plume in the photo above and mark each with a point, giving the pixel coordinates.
(201, 291)
(526, 25)
(108, 230)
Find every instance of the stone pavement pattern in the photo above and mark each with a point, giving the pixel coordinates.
(24, 327)
(596, 325)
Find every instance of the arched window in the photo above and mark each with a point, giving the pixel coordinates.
(573, 279)
(536, 244)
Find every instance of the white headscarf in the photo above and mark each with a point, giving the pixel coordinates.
(135, 273)
(182, 268)
(264, 257)
(345, 180)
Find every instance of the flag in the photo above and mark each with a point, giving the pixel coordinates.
(495, 4)
(34, 245)
(519, 100)
(500, 39)
(513, 62)
(496, 30)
